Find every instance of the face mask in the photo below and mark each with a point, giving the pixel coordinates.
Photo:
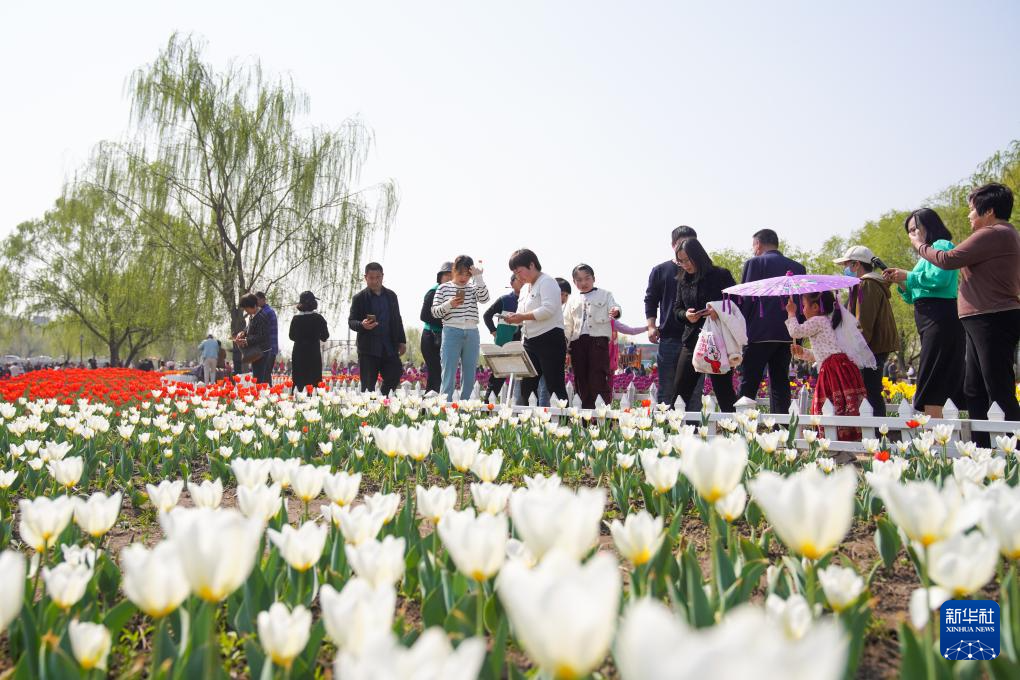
(848, 272)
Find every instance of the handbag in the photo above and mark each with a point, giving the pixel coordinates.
(249, 355)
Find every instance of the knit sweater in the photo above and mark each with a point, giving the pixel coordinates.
(466, 315)
(989, 264)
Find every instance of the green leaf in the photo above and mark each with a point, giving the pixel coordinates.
(887, 541)
(912, 662)
(118, 617)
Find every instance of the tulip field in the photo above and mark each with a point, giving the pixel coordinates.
(176, 531)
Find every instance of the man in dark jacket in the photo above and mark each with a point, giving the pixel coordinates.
(659, 299)
(375, 316)
(432, 336)
(768, 343)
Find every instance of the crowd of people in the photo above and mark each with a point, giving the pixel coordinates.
(966, 299)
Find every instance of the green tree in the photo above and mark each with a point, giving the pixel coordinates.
(413, 346)
(223, 179)
(87, 259)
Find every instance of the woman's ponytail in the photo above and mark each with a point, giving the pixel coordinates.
(829, 305)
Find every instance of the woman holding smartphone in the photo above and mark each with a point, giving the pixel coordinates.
(699, 283)
(456, 303)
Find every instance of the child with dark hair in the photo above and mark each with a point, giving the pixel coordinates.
(456, 302)
(838, 350)
(587, 321)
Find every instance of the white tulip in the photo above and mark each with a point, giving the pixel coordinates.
(165, 496)
(714, 469)
(357, 613)
(926, 513)
(306, 482)
(963, 563)
(486, 466)
(558, 517)
(491, 498)
(432, 657)
(653, 644)
(12, 591)
(97, 515)
(462, 452)
(792, 614)
(43, 519)
(731, 506)
(208, 494)
(154, 580)
(639, 537)
(660, 473)
(476, 544)
(386, 504)
(218, 548)
(811, 512)
(435, 502)
(90, 644)
(302, 547)
(1002, 519)
(389, 439)
(281, 469)
(250, 472)
(284, 633)
(842, 586)
(625, 461)
(378, 562)
(417, 442)
(7, 478)
(540, 482)
(342, 487)
(358, 524)
(517, 551)
(563, 613)
(923, 601)
(68, 471)
(261, 503)
(66, 583)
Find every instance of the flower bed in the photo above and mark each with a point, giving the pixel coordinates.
(207, 532)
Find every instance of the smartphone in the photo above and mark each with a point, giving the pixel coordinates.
(702, 312)
(370, 317)
(459, 294)
(877, 263)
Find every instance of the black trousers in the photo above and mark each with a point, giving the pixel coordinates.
(430, 344)
(775, 356)
(873, 384)
(687, 379)
(262, 370)
(589, 358)
(371, 366)
(548, 352)
(990, 377)
(943, 348)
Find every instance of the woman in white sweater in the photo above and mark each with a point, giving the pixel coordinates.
(456, 303)
(541, 313)
(587, 321)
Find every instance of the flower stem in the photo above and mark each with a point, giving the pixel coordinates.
(480, 610)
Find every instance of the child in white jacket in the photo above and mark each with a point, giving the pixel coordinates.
(586, 323)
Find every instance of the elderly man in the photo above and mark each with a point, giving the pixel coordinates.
(375, 316)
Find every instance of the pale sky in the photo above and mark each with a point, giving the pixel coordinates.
(584, 130)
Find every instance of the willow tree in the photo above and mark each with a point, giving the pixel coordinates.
(223, 177)
(88, 260)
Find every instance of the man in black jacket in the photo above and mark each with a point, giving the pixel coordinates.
(432, 336)
(375, 316)
(768, 343)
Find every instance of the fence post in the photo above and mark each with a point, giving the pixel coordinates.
(679, 405)
(905, 410)
(867, 411)
(995, 412)
(653, 394)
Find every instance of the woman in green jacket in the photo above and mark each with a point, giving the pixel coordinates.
(932, 291)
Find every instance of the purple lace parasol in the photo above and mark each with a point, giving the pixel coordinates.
(790, 285)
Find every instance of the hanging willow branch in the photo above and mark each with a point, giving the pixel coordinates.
(254, 202)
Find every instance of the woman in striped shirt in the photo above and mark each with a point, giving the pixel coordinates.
(456, 303)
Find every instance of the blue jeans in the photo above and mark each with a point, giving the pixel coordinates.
(459, 346)
(543, 393)
(665, 359)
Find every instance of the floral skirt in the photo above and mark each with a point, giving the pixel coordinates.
(840, 381)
